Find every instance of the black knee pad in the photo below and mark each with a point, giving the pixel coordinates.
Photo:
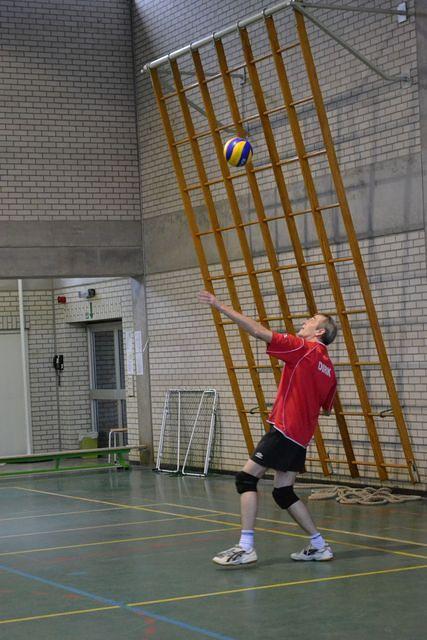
(245, 482)
(285, 497)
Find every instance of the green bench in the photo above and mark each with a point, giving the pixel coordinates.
(120, 461)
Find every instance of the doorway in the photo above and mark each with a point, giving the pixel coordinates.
(107, 379)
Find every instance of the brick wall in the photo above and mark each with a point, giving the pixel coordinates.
(72, 341)
(372, 121)
(39, 313)
(59, 414)
(189, 355)
(376, 128)
(67, 111)
(70, 150)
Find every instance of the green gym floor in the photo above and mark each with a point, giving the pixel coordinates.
(104, 555)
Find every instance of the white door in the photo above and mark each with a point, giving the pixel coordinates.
(107, 389)
(13, 435)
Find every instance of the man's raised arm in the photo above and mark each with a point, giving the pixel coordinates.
(252, 327)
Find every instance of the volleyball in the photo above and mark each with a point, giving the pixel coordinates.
(238, 151)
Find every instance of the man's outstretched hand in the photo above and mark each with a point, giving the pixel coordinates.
(207, 298)
(252, 327)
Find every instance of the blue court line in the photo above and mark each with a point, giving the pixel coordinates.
(115, 603)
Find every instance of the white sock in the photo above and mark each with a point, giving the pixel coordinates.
(317, 541)
(247, 539)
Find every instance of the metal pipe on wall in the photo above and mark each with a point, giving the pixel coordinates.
(245, 22)
(25, 377)
(298, 5)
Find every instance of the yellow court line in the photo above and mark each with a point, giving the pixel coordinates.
(198, 596)
(107, 502)
(229, 527)
(407, 554)
(404, 527)
(293, 524)
(68, 513)
(45, 616)
(7, 486)
(184, 516)
(59, 513)
(95, 526)
(225, 513)
(118, 541)
(277, 585)
(230, 524)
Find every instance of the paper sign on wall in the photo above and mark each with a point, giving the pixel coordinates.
(139, 354)
(130, 354)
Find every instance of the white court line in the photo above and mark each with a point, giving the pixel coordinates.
(96, 526)
(229, 524)
(294, 524)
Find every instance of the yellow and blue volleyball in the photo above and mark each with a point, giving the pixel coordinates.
(238, 151)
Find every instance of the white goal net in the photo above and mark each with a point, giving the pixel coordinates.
(187, 432)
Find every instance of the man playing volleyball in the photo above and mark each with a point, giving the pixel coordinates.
(308, 384)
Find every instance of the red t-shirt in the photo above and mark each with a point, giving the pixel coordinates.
(308, 383)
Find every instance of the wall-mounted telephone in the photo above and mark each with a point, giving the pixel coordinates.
(58, 362)
(58, 365)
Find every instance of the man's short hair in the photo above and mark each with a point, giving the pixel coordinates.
(330, 327)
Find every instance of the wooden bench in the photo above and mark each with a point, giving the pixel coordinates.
(120, 461)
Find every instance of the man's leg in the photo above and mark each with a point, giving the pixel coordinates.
(297, 510)
(249, 499)
(285, 497)
(246, 484)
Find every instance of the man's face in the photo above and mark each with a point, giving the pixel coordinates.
(310, 328)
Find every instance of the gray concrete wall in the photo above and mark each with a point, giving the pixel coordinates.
(384, 197)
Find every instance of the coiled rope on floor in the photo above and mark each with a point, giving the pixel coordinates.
(364, 496)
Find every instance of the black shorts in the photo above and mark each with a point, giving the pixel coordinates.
(276, 451)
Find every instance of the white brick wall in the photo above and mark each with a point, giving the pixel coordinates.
(38, 309)
(185, 352)
(371, 120)
(68, 138)
(67, 128)
(72, 341)
(60, 414)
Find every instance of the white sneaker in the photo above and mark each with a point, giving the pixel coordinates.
(311, 553)
(234, 556)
